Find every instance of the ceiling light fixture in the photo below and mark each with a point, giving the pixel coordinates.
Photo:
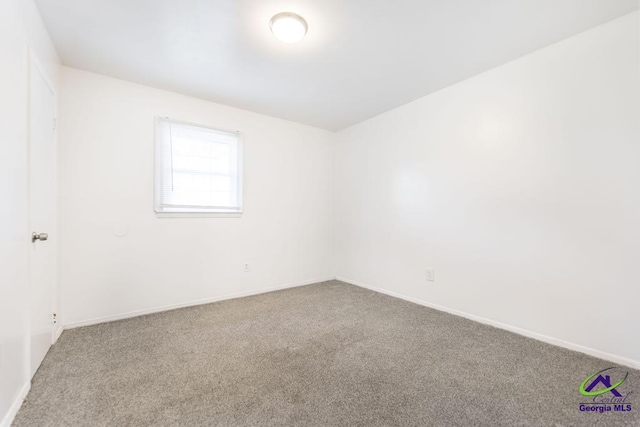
(288, 27)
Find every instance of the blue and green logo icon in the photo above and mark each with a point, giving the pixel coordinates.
(605, 381)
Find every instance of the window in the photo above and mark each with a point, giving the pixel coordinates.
(198, 169)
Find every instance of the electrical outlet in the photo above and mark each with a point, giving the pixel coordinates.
(246, 268)
(430, 275)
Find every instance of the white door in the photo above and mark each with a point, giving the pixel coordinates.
(42, 210)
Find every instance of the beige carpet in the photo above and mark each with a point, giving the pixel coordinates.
(324, 354)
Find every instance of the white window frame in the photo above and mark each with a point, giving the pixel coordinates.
(164, 211)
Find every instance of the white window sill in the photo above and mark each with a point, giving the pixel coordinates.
(198, 214)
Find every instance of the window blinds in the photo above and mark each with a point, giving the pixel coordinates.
(198, 169)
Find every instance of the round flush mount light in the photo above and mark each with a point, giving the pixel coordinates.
(288, 27)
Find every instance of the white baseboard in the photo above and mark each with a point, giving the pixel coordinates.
(57, 332)
(540, 337)
(137, 313)
(15, 406)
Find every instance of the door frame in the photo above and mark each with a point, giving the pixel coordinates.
(35, 66)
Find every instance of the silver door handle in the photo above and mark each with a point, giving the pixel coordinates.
(41, 236)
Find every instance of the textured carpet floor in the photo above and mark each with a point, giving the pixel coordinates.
(324, 354)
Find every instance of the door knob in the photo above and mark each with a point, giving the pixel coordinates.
(40, 236)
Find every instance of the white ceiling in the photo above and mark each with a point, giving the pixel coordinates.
(360, 57)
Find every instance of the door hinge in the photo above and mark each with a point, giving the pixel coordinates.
(55, 318)
(55, 123)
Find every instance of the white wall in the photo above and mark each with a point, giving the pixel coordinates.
(518, 186)
(106, 182)
(20, 30)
